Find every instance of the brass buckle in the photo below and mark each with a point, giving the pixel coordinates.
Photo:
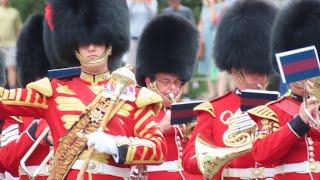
(313, 167)
(257, 172)
(93, 167)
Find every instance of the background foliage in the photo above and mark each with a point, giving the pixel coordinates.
(28, 7)
(197, 87)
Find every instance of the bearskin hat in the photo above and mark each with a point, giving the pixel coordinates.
(168, 44)
(243, 37)
(3, 76)
(71, 23)
(32, 62)
(297, 26)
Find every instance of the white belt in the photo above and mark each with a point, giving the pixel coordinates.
(1, 176)
(32, 169)
(248, 173)
(171, 166)
(96, 167)
(302, 167)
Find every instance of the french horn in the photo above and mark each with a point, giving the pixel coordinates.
(238, 138)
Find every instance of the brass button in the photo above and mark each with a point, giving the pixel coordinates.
(180, 149)
(311, 154)
(311, 148)
(310, 142)
(92, 165)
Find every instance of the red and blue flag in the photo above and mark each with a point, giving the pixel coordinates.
(298, 64)
(251, 98)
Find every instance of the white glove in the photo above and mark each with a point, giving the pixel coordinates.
(102, 142)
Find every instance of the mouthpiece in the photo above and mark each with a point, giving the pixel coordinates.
(171, 97)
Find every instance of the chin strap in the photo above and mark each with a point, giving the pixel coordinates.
(247, 85)
(154, 87)
(103, 57)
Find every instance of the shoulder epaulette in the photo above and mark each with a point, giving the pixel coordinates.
(146, 97)
(264, 112)
(207, 107)
(42, 86)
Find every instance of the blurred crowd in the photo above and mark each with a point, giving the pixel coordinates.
(208, 82)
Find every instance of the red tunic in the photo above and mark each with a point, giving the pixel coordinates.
(210, 125)
(21, 145)
(290, 145)
(39, 153)
(9, 143)
(173, 139)
(60, 103)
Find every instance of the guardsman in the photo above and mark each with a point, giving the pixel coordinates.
(90, 34)
(286, 141)
(242, 49)
(165, 61)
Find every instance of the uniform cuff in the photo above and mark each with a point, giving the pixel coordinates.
(122, 153)
(299, 127)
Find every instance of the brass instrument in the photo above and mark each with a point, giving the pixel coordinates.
(312, 88)
(122, 77)
(171, 97)
(238, 139)
(241, 131)
(29, 153)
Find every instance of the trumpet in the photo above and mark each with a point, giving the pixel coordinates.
(23, 165)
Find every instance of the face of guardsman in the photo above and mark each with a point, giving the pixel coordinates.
(166, 83)
(250, 80)
(92, 52)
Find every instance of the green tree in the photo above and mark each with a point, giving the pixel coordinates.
(195, 5)
(28, 7)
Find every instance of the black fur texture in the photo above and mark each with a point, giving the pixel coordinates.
(3, 77)
(80, 22)
(242, 38)
(168, 44)
(32, 62)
